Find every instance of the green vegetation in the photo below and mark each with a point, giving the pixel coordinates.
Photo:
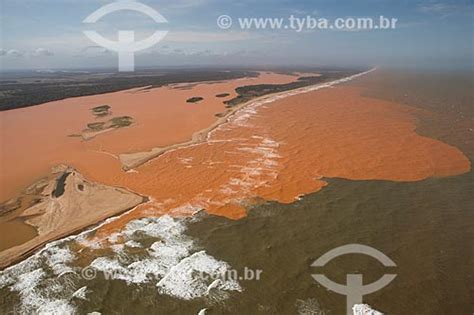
(96, 126)
(37, 88)
(101, 111)
(246, 93)
(194, 99)
(120, 122)
(222, 95)
(116, 122)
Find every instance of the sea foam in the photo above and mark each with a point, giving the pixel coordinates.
(50, 281)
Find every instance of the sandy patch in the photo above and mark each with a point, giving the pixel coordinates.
(69, 206)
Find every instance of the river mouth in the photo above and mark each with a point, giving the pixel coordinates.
(423, 225)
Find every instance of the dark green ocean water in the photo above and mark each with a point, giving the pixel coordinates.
(426, 227)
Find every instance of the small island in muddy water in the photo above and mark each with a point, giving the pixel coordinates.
(195, 99)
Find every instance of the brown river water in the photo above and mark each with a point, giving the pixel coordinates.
(383, 160)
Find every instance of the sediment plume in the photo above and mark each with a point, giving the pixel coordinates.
(278, 147)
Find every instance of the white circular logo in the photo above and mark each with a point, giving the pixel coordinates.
(354, 288)
(126, 46)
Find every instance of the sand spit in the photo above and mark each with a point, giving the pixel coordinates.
(69, 203)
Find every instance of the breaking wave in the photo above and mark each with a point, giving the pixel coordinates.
(152, 251)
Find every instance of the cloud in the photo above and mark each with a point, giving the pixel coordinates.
(305, 12)
(190, 53)
(435, 8)
(15, 53)
(42, 52)
(299, 12)
(38, 52)
(209, 37)
(445, 9)
(182, 4)
(92, 51)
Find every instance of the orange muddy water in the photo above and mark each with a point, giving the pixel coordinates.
(285, 149)
(275, 151)
(34, 139)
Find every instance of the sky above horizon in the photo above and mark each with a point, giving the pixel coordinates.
(48, 34)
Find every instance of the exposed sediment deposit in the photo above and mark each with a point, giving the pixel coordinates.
(67, 202)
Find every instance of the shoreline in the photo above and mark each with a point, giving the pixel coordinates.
(131, 161)
(6, 264)
(81, 204)
(197, 137)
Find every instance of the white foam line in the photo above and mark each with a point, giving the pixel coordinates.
(275, 97)
(265, 100)
(170, 261)
(73, 237)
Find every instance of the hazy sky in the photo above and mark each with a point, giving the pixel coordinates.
(48, 34)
